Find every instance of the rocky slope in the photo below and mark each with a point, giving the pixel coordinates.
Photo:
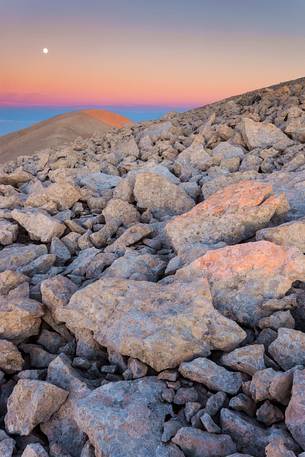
(58, 131)
(152, 298)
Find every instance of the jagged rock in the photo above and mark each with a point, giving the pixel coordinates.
(98, 182)
(244, 276)
(131, 236)
(230, 215)
(17, 256)
(56, 293)
(249, 435)
(196, 443)
(289, 234)
(288, 349)
(34, 450)
(155, 192)
(211, 375)
(278, 449)
(31, 403)
(263, 135)
(39, 225)
(145, 267)
(64, 435)
(120, 212)
(147, 321)
(10, 358)
(269, 414)
(124, 418)
(63, 194)
(8, 232)
(247, 359)
(294, 415)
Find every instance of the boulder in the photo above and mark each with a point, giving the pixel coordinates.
(230, 215)
(289, 234)
(31, 403)
(98, 182)
(39, 225)
(244, 276)
(63, 194)
(263, 135)
(156, 192)
(124, 419)
(17, 256)
(34, 450)
(161, 325)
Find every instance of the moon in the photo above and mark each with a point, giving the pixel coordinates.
(45, 51)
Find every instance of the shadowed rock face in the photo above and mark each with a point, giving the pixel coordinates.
(152, 298)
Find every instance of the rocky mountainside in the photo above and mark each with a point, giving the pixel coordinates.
(59, 131)
(152, 288)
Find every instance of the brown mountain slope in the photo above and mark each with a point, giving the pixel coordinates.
(57, 131)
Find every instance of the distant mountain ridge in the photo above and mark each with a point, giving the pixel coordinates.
(58, 131)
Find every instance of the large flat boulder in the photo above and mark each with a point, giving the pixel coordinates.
(244, 276)
(161, 325)
(231, 215)
(263, 135)
(124, 419)
(39, 224)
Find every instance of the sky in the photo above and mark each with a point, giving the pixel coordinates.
(141, 52)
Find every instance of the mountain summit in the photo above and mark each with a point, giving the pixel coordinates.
(58, 131)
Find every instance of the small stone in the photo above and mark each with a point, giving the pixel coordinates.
(269, 414)
(170, 429)
(295, 412)
(138, 369)
(211, 375)
(214, 403)
(31, 403)
(185, 395)
(247, 359)
(190, 409)
(11, 360)
(288, 349)
(197, 443)
(277, 448)
(243, 403)
(8, 232)
(209, 424)
(34, 450)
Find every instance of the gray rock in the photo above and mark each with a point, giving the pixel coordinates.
(247, 359)
(288, 349)
(211, 375)
(295, 412)
(125, 418)
(39, 225)
(196, 443)
(31, 403)
(147, 321)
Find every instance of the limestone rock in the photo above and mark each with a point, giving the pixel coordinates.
(247, 359)
(17, 256)
(120, 212)
(34, 450)
(288, 349)
(63, 194)
(289, 234)
(211, 375)
(8, 232)
(249, 435)
(10, 358)
(197, 443)
(39, 225)
(31, 403)
(124, 419)
(98, 182)
(161, 325)
(295, 412)
(262, 135)
(230, 215)
(156, 192)
(243, 276)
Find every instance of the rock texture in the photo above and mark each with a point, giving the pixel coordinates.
(152, 296)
